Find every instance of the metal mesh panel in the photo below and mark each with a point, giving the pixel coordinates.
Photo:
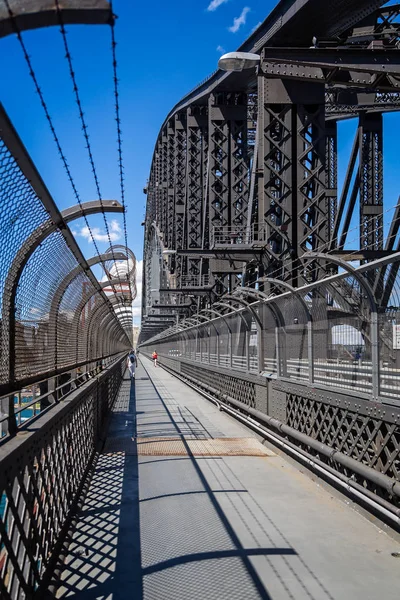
(39, 297)
(268, 339)
(293, 338)
(341, 335)
(341, 332)
(37, 286)
(21, 212)
(67, 330)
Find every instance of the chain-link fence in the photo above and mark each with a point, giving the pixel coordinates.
(55, 316)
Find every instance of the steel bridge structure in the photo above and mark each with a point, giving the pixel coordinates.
(268, 289)
(266, 286)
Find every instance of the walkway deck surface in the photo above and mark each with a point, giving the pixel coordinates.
(173, 524)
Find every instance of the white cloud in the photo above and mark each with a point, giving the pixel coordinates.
(220, 49)
(256, 26)
(239, 21)
(214, 4)
(99, 235)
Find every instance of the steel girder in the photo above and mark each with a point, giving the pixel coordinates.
(266, 157)
(374, 68)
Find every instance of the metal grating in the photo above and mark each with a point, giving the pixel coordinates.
(159, 446)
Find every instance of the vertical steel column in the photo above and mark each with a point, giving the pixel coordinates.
(275, 174)
(310, 350)
(279, 371)
(170, 230)
(196, 147)
(371, 181)
(247, 349)
(312, 206)
(292, 199)
(375, 359)
(180, 188)
(230, 348)
(331, 175)
(164, 183)
(157, 184)
(228, 182)
(261, 350)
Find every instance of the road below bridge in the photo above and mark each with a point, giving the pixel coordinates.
(184, 503)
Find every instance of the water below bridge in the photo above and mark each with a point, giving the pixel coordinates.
(184, 502)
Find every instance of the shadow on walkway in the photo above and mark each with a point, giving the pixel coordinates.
(200, 535)
(104, 555)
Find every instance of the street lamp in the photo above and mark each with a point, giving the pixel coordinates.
(238, 61)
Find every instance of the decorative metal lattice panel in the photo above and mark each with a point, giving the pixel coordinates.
(41, 476)
(228, 385)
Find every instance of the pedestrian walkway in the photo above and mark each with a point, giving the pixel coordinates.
(185, 503)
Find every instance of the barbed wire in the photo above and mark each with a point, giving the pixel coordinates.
(119, 131)
(68, 57)
(48, 117)
(51, 124)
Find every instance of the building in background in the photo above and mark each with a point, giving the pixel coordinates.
(135, 336)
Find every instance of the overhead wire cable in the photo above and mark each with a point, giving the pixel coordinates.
(119, 130)
(68, 57)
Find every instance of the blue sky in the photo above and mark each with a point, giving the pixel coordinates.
(164, 50)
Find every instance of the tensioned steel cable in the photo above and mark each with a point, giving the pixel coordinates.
(119, 131)
(50, 121)
(68, 58)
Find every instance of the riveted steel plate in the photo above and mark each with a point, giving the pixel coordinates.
(159, 446)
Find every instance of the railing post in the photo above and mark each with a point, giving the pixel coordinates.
(247, 347)
(310, 351)
(12, 422)
(278, 352)
(260, 350)
(375, 355)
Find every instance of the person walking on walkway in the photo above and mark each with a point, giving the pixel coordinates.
(154, 356)
(132, 363)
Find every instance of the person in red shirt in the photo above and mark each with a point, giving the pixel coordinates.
(154, 356)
